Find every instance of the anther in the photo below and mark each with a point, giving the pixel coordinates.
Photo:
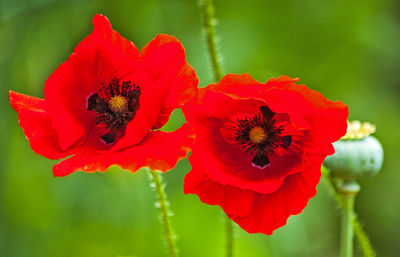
(118, 104)
(258, 135)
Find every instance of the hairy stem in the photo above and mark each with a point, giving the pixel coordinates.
(362, 239)
(361, 236)
(163, 205)
(209, 22)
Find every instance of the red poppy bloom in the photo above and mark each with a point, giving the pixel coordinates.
(259, 147)
(106, 103)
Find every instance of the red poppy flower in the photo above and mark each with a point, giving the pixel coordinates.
(106, 103)
(259, 147)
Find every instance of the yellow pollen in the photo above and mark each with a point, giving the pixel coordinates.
(258, 135)
(118, 104)
(358, 130)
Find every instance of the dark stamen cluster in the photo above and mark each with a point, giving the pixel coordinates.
(243, 134)
(260, 136)
(116, 104)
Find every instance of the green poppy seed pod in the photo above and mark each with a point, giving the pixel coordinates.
(357, 154)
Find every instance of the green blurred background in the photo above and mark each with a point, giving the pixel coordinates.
(348, 50)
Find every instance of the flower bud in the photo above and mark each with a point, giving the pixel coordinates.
(357, 154)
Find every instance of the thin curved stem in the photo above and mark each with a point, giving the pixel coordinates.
(163, 205)
(363, 239)
(209, 22)
(361, 236)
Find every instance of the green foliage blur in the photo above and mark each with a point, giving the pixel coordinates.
(348, 50)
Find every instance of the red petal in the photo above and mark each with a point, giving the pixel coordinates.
(327, 119)
(232, 200)
(163, 58)
(171, 82)
(103, 32)
(271, 211)
(36, 124)
(239, 87)
(306, 108)
(255, 212)
(158, 151)
(66, 106)
(19, 101)
(146, 116)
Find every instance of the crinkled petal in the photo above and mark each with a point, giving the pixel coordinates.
(103, 32)
(307, 108)
(255, 212)
(326, 119)
(159, 151)
(163, 58)
(271, 211)
(146, 115)
(232, 200)
(239, 86)
(170, 83)
(36, 124)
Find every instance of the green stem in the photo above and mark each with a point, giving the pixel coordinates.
(360, 234)
(347, 237)
(229, 236)
(362, 239)
(209, 22)
(165, 222)
(329, 181)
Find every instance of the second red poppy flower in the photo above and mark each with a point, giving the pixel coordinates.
(259, 147)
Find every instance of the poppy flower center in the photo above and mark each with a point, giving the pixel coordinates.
(116, 105)
(257, 135)
(260, 136)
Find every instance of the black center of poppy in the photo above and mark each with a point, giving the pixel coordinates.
(116, 104)
(260, 136)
